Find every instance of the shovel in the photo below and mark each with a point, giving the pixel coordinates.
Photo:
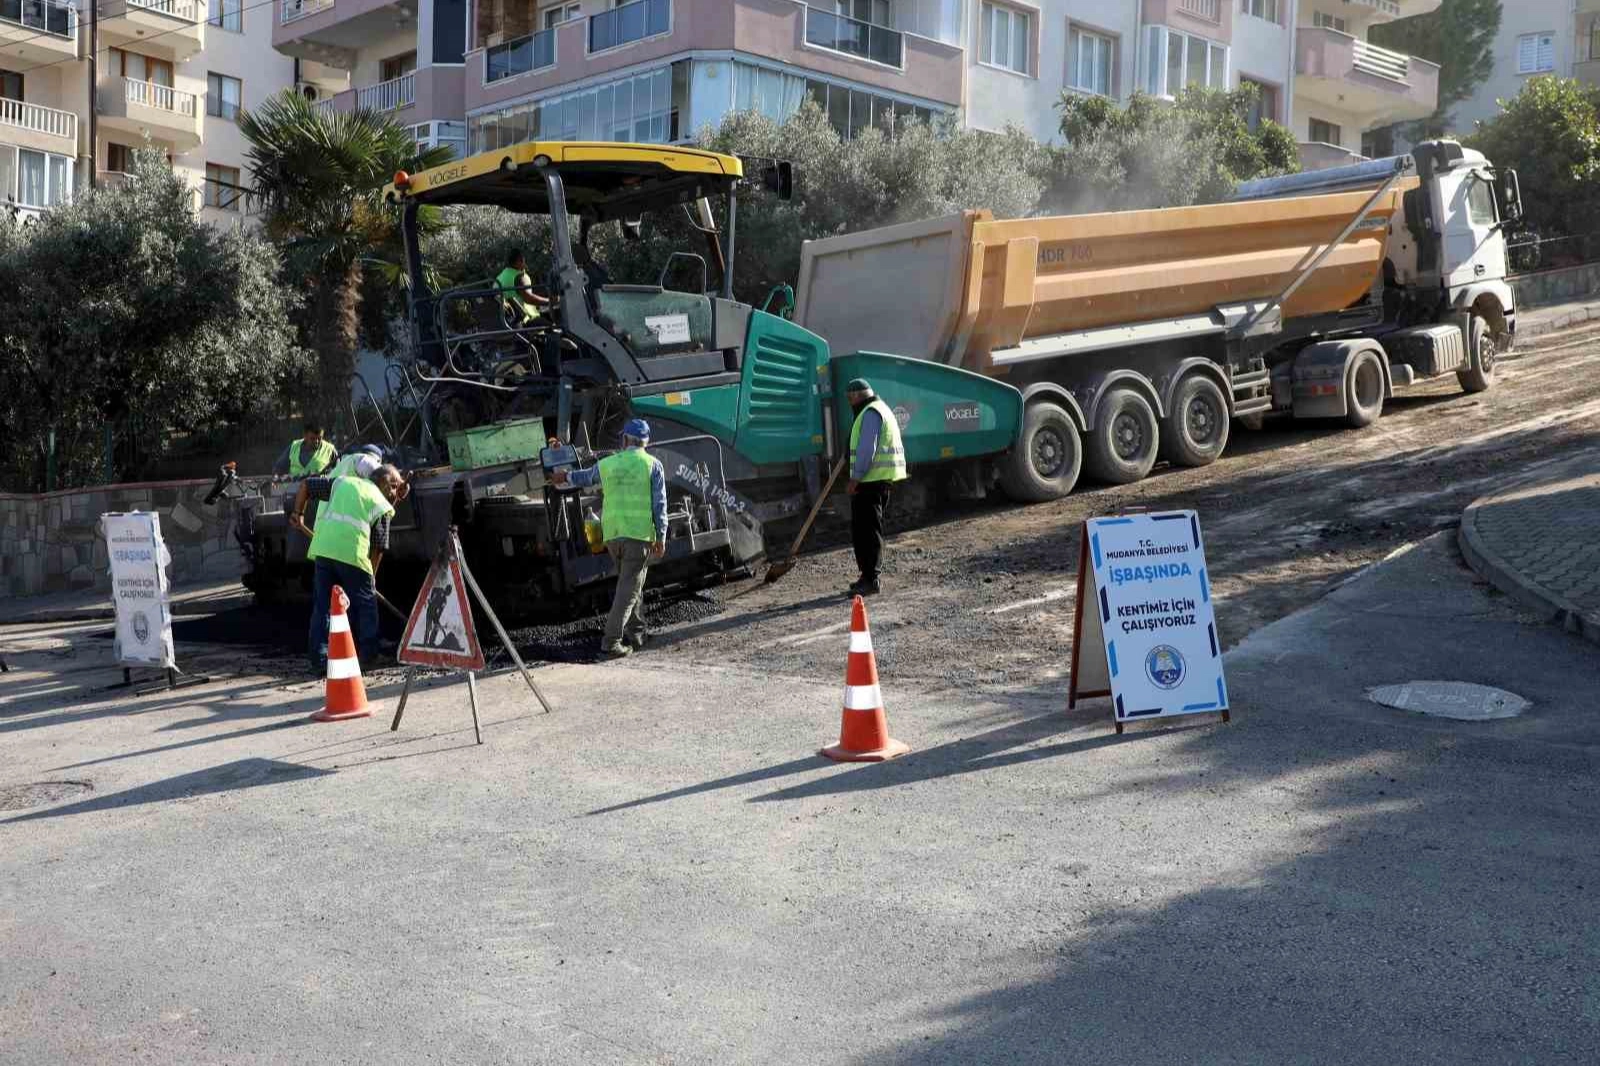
(778, 569)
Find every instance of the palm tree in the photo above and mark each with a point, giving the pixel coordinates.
(319, 177)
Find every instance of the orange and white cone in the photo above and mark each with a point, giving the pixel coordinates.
(346, 693)
(864, 732)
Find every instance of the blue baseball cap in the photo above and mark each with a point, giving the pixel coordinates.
(373, 449)
(637, 428)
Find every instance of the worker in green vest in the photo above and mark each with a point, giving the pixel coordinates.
(877, 461)
(516, 288)
(348, 544)
(633, 521)
(309, 456)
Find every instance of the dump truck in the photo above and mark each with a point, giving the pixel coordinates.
(1140, 335)
(742, 402)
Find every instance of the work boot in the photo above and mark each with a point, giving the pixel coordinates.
(635, 640)
(616, 651)
(865, 587)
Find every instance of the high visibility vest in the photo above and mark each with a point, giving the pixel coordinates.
(509, 281)
(889, 462)
(344, 530)
(301, 464)
(625, 482)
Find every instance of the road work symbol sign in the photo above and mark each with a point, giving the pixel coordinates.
(439, 631)
(1143, 629)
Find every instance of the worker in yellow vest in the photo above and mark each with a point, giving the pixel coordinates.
(633, 521)
(351, 536)
(516, 289)
(307, 457)
(877, 461)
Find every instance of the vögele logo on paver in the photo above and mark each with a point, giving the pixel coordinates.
(1164, 665)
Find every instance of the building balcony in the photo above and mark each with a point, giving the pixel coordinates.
(39, 31)
(427, 95)
(1315, 155)
(807, 39)
(174, 29)
(143, 108)
(1371, 86)
(1212, 19)
(43, 129)
(332, 31)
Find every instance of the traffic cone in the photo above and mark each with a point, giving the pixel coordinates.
(346, 694)
(864, 732)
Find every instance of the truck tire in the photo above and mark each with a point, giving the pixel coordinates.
(1363, 389)
(1123, 445)
(1481, 354)
(1048, 455)
(1195, 430)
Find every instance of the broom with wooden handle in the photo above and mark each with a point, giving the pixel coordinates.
(778, 569)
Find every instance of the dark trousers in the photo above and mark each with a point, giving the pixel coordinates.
(363, 611)
(866, 525)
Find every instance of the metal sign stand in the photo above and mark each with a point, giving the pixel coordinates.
(450, 562)
(174, 678)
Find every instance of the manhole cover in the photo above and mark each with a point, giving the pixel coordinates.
(21, 797)
(1450, 699)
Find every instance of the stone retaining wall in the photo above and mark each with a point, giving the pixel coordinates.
(1545, 287)
(51, 543)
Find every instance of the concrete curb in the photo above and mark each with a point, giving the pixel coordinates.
(1505, 577)
(1556, 323)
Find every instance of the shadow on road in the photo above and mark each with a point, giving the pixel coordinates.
(229, 777)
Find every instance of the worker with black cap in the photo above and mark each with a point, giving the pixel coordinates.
(877, 461)
(633, 520)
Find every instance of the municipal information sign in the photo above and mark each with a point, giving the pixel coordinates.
(139, 560)
(1146, 597)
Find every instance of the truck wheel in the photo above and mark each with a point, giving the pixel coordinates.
(1045, 462)
(1123, 446)
(1481, 354)
(1196, 428)
(1363, 390)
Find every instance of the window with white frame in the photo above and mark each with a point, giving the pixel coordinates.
(1329, 22)
(43, 178)
(1175, 61)
(1004, 40)
(223, 96)
(222, 189)
(1091, 58)
(555, 16)
(1262, 9)
(227, 15)
(1536, 53)
(1323, 132)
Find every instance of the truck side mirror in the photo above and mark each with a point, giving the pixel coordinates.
(1510, 196)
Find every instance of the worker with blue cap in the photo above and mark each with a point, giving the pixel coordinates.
(633, 521)
(877, 462)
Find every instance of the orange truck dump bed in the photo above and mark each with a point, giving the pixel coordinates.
(957, 288)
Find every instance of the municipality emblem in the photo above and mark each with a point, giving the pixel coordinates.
(1164, 665)
(141, 627)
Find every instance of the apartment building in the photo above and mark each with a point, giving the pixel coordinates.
(172, 74)
(1558, 38)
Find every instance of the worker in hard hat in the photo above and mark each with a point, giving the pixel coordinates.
(309, 456)
(347, 546)
(877, 461)
(633, 521)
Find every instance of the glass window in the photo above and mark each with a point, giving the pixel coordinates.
(228, 15)
(860, 112)
(222, 187)
(397, 66)
(119, 158)
(33, 183)
(839, 109)
(223, 95)
(1004, 40)
(1176, 61)
(1266, 104)
(60, 190)
(1536, 53)
(1480, 202)
(622, 123)
(10, 85)
(1326, 132)
(1089, 60)
(1329, 22)
(1262, 9)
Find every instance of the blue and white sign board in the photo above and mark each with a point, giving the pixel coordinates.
(1146, 598)
(139, 562)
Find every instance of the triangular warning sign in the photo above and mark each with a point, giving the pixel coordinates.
(440, 632)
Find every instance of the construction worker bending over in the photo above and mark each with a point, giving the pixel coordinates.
(877, 461)
(633, 521)
(309, 456)
(348, 543)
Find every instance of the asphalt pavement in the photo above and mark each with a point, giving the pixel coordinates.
(662, 871)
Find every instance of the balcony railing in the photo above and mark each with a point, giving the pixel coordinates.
(47, 16)
(838, 33)
(1210, 10)
(38, 119)
(389, 95)
(299, 9)
(629, 23)
(187, 10)
(1371, 59)
(533, 52)
(1388, 7)
(160, 97)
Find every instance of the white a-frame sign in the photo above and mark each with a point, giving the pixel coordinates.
(1143, 631)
